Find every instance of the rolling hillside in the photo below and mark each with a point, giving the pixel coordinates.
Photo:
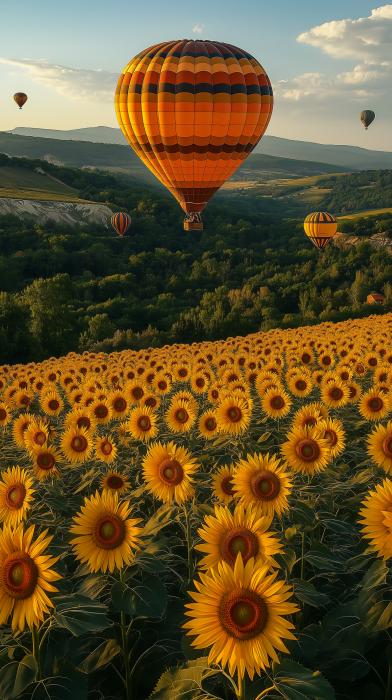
(21, 183)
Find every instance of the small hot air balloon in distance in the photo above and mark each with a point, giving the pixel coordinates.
(193, 111)
(367, 117)
(121, 223)
(320, 227)
(20, 99)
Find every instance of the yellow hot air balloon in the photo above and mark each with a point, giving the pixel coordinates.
(193, 111)
(320, 227)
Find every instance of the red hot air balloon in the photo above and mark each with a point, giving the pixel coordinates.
(20, 99)
(193, 111)
(121, 223)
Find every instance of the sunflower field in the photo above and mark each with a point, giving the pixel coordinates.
(205, 521)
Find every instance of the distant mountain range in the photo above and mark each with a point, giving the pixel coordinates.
(348, 157)
(123, 160)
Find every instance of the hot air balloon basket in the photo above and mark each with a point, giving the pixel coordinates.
(193, 225)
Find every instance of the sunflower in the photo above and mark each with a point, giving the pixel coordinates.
(180, 417)
(199, 383)
(106, 535)
(355, 391)
(19, 427)
(167, 472)
(5, 413)
(306, 416)
(188, 398)
(380, 446)
(222, 484)
(332, 431)
(374, 405)
(306, 356)
(45, 462)
(136, 390)
(335, 394)
(372, 361)
(244, 531)
(120, 403)
(326, 360)
(101, 410)
(36, 434)
(233, 415)
(151, 401)
(22, 399)
(25, 577)
(105, 449)
(377, 527)
(239, 612)
(161, 384)
(276, 403)
(207, 425)
(300, 385)
(182, 372)
(262, 481)
(142, 423)
(360, 369)
(306, 451)
(383, 375)
(81, 418)
(216, 392)
(51, 403)
(76, 445)
(15, 495)
(115, 482)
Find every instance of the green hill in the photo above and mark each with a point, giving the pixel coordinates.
(67, 288)
(30, 184)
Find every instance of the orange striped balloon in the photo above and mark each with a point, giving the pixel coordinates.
(120, 222)
(193, 111)
(320, 227)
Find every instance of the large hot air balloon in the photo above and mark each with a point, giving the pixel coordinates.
(20, 98)
(320, 227)
(121, 223)
(193, 111)
(367, 117)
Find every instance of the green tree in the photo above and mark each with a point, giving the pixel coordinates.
(51, 314)
(17, 344)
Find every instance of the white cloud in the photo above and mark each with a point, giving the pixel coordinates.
(197, 30)
(368, 38)
(74, 83)
(365, 81)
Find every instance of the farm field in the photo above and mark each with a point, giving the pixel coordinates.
(159, 504)
(22, 183)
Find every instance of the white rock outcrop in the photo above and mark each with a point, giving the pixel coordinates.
(61, 212)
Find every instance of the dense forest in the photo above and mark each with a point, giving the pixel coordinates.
(76, 288)
(369, 189)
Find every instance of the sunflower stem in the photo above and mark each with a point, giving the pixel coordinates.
(303, 555)
(124, 636)
(189, 540)
(388, 694)
(36, 651)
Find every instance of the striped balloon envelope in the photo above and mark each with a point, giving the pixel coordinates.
(121, 223)
(193, 111)
(320, 227)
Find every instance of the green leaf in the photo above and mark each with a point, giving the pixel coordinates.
(79, 614)
(149, 563)
(336, 525)
(184, 683)
(164, 515)
(264, 437)
(321, 557)
(308, 644)
(205, 510)
(302, 514)
(92, 585)
(67, 683)
(16, 676)
(286, 558)
(101, 656)
(147, 599)
(375, 575)
(359, 562)
(296, 682)
(306, 592)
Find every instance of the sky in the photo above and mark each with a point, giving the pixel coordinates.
(326, 60)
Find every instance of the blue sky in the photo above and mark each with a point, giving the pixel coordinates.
(321, 81)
